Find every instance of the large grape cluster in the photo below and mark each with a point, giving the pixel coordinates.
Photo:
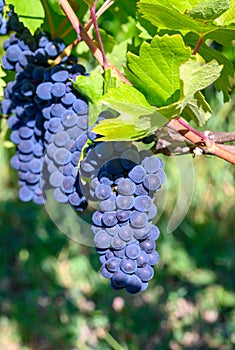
(65, 125)
(124, 181)
(41, 102)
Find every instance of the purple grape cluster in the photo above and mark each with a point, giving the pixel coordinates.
(124, 181)
(66, 124)
(46, 115)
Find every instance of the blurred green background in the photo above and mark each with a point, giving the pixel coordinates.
(52, 295)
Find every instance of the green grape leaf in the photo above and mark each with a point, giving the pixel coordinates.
(118, 130)
(55, 5)
(160, 117)
(196, 76)
(223, 82)
(155, 72)
(91, 87)
(201, 17)
(197, 109)
(209, 10)
(228, 17)
(128, 101)
(166, 15)
(130, 104)
(31, 13)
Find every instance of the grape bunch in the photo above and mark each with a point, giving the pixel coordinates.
(66, 124)
(124, 181)
(37, 99)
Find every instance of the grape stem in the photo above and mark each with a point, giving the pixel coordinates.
(83, 35)
(95, 23)
(198, 45)
(99, 13)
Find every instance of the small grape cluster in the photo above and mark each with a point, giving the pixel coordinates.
(124, 181)
(38, 100)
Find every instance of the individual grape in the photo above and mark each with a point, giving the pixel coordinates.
(128, 266)
(152, 164)
(125, 202)
(108, 204)
(69, 118)
(126, 187)
(104, 150)
(133, 251)
(123, 215)
(152, 182)
(117, 243)
(97, 218)
(142, 203)
(138, 219)
(112, 264)
(152, 212)
(145, 273)
(109, 218)
(154, 232)
(44, 91)
(137, 174)
(102, 240)
(148, 245)
(120, 279)
(58, 90)
(134, 285)
(25, 194)
(103, 191)
(125, 233)
(143, 259)
(153, 258)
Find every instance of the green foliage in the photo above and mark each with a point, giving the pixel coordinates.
(209, 10)
(131, 105)
(31, 13)
(155, 72)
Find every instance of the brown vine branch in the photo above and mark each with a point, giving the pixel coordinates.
(220, 137)
(206, 145)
